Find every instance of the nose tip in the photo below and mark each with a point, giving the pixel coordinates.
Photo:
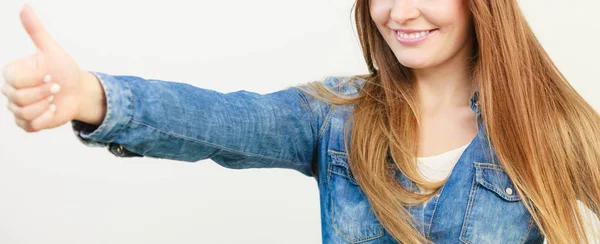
(403, 11)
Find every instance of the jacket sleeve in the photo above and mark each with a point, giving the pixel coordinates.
(238, 130)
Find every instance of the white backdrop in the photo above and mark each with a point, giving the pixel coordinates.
(55, 190)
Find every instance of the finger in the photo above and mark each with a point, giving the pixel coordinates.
(26, 72)
(32, 111)
(28, 96)
(8, 91)
(24, 125)
(34, 28)
(44, 121)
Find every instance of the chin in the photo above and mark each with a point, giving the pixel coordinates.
(415, 63)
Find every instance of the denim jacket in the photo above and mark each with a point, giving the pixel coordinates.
(289, 129)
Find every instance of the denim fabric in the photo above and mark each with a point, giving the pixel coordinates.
(289, 129)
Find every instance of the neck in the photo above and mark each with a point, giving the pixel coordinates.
(446, 85)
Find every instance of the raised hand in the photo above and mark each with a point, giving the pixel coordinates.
(44, 90)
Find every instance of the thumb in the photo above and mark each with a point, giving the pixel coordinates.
(34, 28)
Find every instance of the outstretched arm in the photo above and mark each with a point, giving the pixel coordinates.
(173, 120)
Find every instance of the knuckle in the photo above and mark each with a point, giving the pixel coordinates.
(43, 91)
(28, 126)
(23, 113)
(38, 61)
(17, 111)
(26, 115)
(6, 90)
(34, 128)
(18, 97)
(19, 114)
(31, 129)
(22, 124)
(14, 80)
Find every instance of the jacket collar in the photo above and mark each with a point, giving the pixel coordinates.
(474, 102)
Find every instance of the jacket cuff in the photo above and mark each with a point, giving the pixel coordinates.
(119, 112)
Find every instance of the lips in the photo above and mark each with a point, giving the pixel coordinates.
(413, 37)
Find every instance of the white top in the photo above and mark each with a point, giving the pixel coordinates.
(438, 167)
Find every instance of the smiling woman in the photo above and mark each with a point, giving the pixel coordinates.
(535, 150)
(425, 33)
(462, 130)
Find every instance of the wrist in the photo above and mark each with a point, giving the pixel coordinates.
(93, 104)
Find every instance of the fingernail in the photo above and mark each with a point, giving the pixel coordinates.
(52, 107)
(55, 88)
(51, 98)
(47, 78)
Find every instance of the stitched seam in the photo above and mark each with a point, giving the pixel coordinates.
(338, 160)
(335, 155)
(332, 204)
(495, 189)
(492, 187)
(326, 121)
(307, 107)
(433, 212)
(330, 194)
(528, 230)
(360, 191)
(489, 166)
(339, 174)
(335, 227)
(130, 110)
(335, 151)
(359, 239)
(109, 99)
(468, 212)
(313, 124)
(215, 145)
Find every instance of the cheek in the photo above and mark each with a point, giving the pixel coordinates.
(453, 26)
(379, 13)
(454, 13)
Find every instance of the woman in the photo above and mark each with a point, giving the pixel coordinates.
(402, 154)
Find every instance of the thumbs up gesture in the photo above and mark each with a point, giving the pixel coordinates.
(44, 90)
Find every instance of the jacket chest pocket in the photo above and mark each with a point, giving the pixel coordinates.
(495, 213)
(351, 214)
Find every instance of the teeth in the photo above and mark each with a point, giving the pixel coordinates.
(412, 35)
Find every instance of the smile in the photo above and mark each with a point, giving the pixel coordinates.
(414, 37)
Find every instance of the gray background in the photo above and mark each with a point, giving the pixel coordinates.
(55, 190)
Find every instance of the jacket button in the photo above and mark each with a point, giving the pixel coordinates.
(120, 149)
(509, 191)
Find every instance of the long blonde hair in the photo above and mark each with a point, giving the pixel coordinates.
(546, 136)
